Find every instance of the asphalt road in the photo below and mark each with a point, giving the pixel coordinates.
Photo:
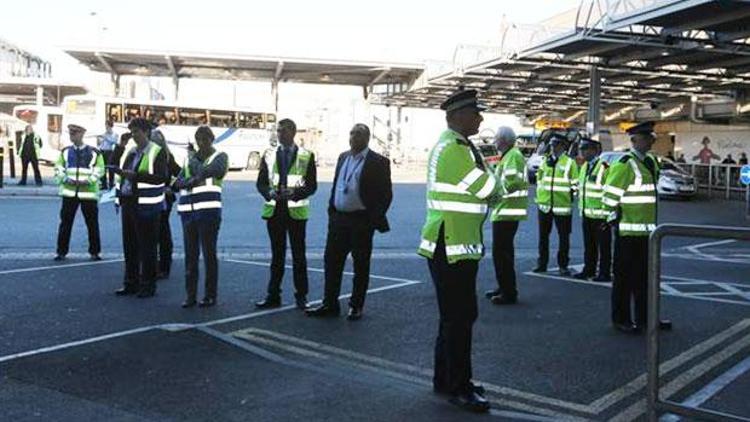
(71, 350)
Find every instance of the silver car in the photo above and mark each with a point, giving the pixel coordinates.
(674, 182)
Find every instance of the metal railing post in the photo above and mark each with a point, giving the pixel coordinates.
(654, 403)
(728, 172)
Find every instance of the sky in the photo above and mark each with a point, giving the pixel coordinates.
(385, 30)
(395, 30)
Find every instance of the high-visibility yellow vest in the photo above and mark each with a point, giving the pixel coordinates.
(511, 173)
(556, 186)
(457, 194)
(630, 195)
(295, 178)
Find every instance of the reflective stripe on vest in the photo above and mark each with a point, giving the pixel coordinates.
(203, 197)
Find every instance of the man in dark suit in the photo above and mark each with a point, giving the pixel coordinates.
(287, 179)
(360, 198)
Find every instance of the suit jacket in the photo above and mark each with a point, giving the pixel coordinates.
(263, 183)
(375, 188)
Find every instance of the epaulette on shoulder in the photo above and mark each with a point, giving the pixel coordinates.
(605, 164)
(625, 158)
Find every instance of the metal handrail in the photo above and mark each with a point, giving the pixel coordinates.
(654, 293)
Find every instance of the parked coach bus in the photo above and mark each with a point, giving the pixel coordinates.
(243, 134)
(47, 124)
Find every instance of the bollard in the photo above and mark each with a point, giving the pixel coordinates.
(12, 152)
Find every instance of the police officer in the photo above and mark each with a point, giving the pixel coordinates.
(31, 143)
(557, 180)
(141, 180)
(286, 180)
(509, 211)
(459, 189)
(77, 171)
(630, 199)
(597, 236)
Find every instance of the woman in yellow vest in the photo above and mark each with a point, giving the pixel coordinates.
(199, 184)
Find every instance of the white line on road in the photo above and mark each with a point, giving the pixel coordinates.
(57, 267)
(396, 370)
(685, 378)
(181, 326)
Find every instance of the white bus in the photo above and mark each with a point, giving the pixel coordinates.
(243, 134)
(47, 123)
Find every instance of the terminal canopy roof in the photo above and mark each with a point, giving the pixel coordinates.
(662, 52)
(176, 65)
(17, 90)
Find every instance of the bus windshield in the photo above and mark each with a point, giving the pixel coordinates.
(81, 107)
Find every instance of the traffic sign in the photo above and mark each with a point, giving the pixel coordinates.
(745, 174)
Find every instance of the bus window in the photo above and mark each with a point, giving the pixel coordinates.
(114, 112)
(81, 107)
(270, 121)
(192, 116)
(165, 115)
(54, 123)
(251, 120)
(28, 116)
(219, 118)
(132, 111)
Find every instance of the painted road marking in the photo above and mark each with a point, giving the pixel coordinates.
(57, 267)
(223, 253)
(182, 326)
(399, 371)
(670, 288)
(713, 388)
(685, 378)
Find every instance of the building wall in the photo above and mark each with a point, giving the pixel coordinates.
(15, 62)
(688, 139)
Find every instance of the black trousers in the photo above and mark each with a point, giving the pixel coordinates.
(279, 226)
(108, 178)
(201, 235)
(25, 161)
(631, 279)
(139, 238)
(455, 285)
(165, 240)
(503, 256)
(68, 211)
(348, 233)
(563, 224)
(597, 243)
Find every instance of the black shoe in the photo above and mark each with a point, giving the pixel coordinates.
(664, 325)
(162, 276)
(502, 299)
(582, 276)
(602, 279)
(207, 302)
(323, 311)
(21, 183)
(268, 303)
(39, 184)
(539, 269)
(354, 314)
(625, 328)
(490, 293)
(95, 257)
(564, 272)
(301, 302)
(146, 293)
(125, 291)
(471, 401)
(189, 303)
(443, 391)
(59, 257)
